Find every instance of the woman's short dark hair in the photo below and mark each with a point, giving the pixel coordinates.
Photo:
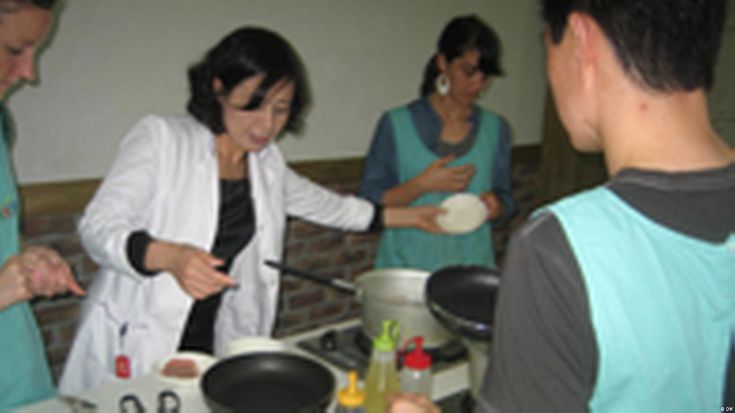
(460, 35)
(242, 54)
(664, 45)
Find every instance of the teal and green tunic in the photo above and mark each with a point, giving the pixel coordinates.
(413, 248)
(24, 372)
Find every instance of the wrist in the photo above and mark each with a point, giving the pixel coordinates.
(159, 256)
(13, 288)
(420, 184)
(396, 217)
(9, 298)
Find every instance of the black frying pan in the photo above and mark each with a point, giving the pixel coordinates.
(463, 299)
(276, 382)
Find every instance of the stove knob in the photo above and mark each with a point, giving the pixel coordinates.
(328, 341)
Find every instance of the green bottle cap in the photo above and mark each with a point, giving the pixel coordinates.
(387, 339)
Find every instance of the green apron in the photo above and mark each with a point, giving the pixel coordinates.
(662, 305)
(413, 248)
(24, 373)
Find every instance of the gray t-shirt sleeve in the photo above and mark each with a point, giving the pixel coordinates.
(541, 327)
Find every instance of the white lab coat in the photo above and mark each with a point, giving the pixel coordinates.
(165, 180)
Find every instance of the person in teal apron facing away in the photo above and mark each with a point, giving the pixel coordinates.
(24, 373)
(622, 298)
(441, 144)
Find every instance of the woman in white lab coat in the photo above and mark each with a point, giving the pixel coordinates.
(191, 209)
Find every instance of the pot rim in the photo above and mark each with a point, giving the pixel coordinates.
(397, 271)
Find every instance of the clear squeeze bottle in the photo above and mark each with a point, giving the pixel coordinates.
(415, 376)
(351, 399)
(382, 378)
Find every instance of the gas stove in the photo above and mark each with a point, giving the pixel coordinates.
(342, 347)
(349, 349)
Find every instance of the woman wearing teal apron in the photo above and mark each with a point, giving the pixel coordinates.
(442, 144)
(24, 373)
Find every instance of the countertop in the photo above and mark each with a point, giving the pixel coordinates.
(452, 381)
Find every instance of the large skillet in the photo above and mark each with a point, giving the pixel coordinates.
(273, 382)
(463, 298)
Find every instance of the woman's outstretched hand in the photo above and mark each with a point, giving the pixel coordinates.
(194, 269)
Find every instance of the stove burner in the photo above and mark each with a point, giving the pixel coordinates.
(363, 342)
(451, 351)
(350, 349)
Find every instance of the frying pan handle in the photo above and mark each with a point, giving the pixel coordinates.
(131, 400)
(168, 402)
(342, 285)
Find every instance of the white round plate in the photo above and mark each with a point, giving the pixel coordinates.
(203, 362)
(464, 213)
(253, 344)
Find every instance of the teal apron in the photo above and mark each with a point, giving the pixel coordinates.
(662, 305)
(24, 373)
(412, 248)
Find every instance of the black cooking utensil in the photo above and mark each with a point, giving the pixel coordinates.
(463, 299)
(339, 284)
(277, 382)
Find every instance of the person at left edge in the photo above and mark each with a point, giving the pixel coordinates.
(194, 206)
(35, 270)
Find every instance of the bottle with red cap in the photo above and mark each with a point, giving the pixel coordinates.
(415, 376)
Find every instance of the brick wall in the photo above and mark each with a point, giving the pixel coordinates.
(303, 304)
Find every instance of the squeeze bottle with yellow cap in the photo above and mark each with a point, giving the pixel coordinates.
(382, 378)
(351, 399)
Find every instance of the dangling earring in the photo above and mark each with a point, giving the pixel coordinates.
(442, 84)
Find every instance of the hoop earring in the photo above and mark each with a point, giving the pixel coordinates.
(441, 84)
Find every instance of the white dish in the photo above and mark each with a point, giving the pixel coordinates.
(201, 360)
(464, 213)
(253, 344)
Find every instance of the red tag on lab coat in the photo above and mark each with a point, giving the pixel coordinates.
(122, 366)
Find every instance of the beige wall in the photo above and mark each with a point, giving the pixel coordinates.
(722, 98)
(113, 61)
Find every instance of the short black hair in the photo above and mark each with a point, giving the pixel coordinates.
(44, 4)
(664, 45)
(460, 35)
(242, 54)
